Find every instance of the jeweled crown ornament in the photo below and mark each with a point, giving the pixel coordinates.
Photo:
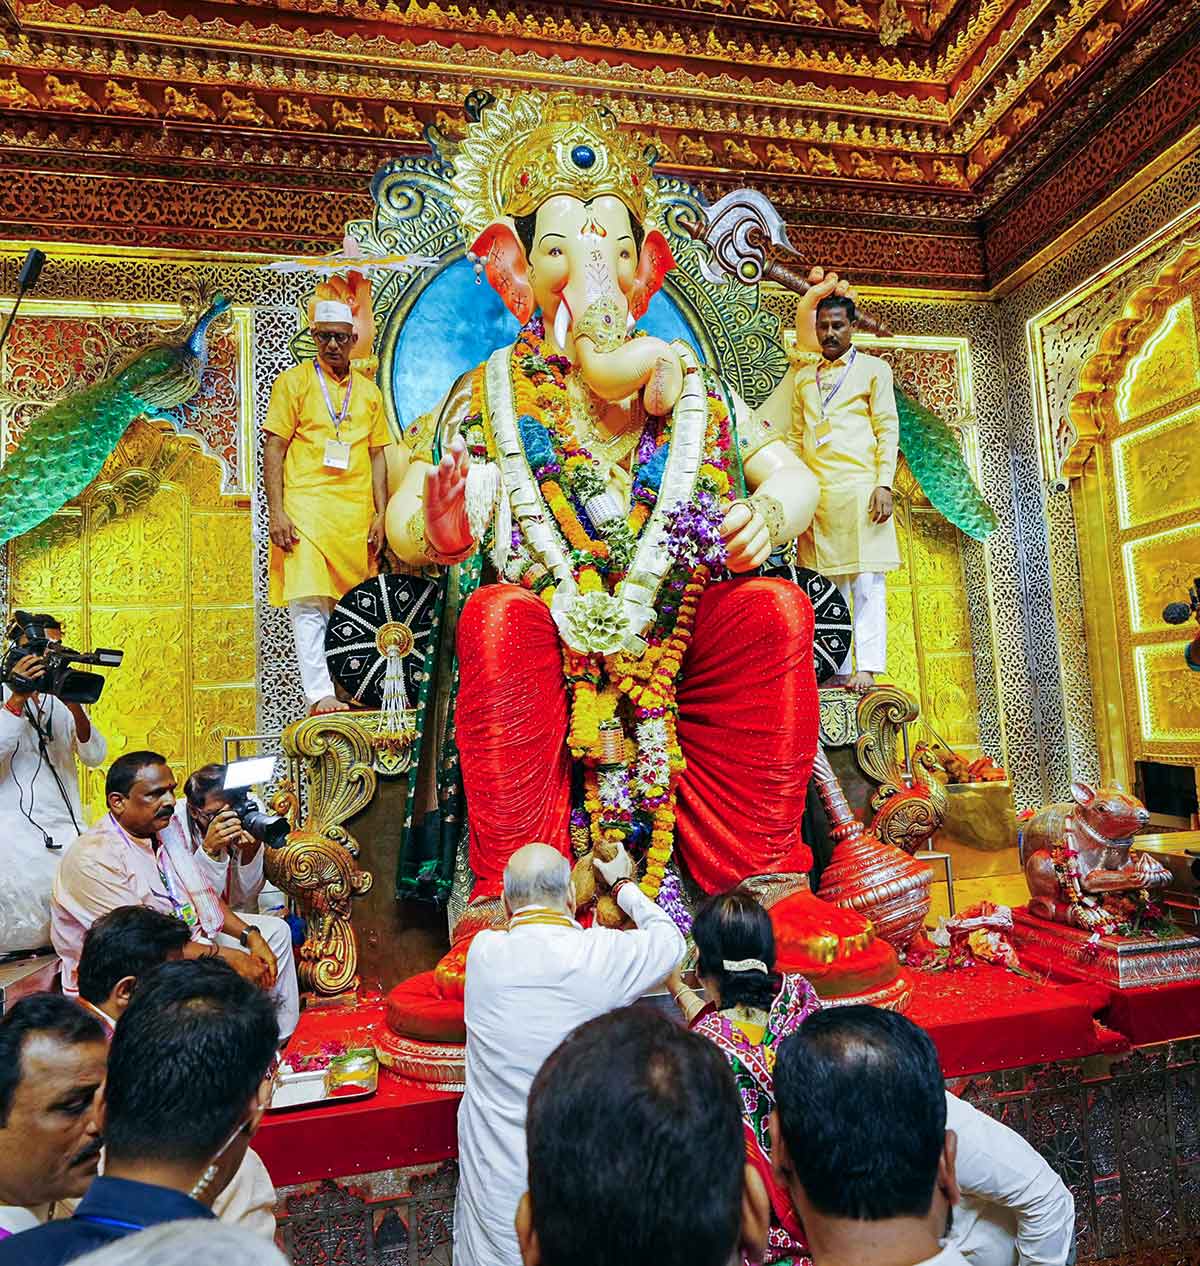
(525, 149)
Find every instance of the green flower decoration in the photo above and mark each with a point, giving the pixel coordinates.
(594, 623)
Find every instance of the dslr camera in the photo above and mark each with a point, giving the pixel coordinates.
(27, 635)
(268, 828)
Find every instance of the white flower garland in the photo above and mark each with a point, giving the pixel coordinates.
(636, 595)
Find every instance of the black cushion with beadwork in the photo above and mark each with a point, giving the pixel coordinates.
(831, 632)
(389, 607)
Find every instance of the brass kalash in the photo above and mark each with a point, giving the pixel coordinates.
(350, 759)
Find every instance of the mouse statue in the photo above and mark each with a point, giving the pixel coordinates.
(1078, 862)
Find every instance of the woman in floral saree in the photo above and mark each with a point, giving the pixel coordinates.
(752, 1009)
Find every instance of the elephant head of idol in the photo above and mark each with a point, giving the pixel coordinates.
(563, 210)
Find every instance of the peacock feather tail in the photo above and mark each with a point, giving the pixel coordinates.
(931, 449)
(65, 447)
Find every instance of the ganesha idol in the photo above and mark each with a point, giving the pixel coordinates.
(624, 676)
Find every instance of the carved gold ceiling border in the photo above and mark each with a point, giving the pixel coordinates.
(564, 27)
(1054, 40)
(211, 70)
(521, 70)
(1075, 116)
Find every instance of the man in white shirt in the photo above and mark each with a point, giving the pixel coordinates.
(526, 988)
(228, 856)
(40, 737)
(52, 1059)
(1015, 1210)
(859, 1137)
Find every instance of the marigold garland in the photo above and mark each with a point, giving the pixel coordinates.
(624, 781)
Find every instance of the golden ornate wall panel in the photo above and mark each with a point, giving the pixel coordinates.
(156, 556)
(116, 299)
(1052, 324)
(1139, 418)
(153, 558)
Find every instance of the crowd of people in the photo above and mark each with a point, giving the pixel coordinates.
(762, 1128)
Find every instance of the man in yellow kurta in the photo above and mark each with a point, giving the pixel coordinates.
(326, 482)
(845, 426)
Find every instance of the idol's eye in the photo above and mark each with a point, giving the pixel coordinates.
(554, 252)
(625, 254)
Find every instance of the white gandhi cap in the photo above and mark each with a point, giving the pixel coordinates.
(332, 312)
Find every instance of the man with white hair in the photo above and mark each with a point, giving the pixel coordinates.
(526, 988)
(326, 484)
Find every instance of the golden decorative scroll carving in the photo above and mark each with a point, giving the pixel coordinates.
(319, 864)
(908, 809)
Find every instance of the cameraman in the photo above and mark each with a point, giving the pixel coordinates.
(40, 736)
(230, 858)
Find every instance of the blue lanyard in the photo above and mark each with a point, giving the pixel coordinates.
(837, 386)
(336, 418)
(99, 1221)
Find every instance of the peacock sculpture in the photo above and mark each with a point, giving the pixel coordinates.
(65, 447)
(930, 446)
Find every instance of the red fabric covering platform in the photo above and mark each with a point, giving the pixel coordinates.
(397, 1126)
(986, 1018)
(1158, 1013)
(980, 1018)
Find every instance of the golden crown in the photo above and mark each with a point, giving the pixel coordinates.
(526, 149)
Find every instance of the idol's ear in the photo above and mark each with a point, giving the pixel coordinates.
(507, 268)
(1082, 794)
(655, 262)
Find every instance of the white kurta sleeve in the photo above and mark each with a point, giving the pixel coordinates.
(246, 883)
(996, 1165)
(213, 870)
(93, 752)
(10, 732)
(646, 956)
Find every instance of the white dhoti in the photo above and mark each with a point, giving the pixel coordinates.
(285, 992)
(310, 619)
(866, 596)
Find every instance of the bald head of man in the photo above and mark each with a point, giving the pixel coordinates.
(538, 875)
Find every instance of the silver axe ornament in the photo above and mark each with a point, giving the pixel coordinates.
(746, 237)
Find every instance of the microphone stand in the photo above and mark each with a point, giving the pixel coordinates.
(30, 271)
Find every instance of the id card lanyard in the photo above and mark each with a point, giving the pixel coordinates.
(826, 432)
(337, 452)
(183, 909)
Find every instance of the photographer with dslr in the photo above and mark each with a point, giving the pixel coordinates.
(230, 856)
(40, 736)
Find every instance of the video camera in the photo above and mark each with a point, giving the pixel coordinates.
(240, 776)
(58, 677)
(1180, 613)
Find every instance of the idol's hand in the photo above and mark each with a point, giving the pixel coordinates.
(283, 531)
(880, 508)
(747, 541)
(446, 526)
(820, 286)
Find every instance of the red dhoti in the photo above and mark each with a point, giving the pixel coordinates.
(747, 727)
